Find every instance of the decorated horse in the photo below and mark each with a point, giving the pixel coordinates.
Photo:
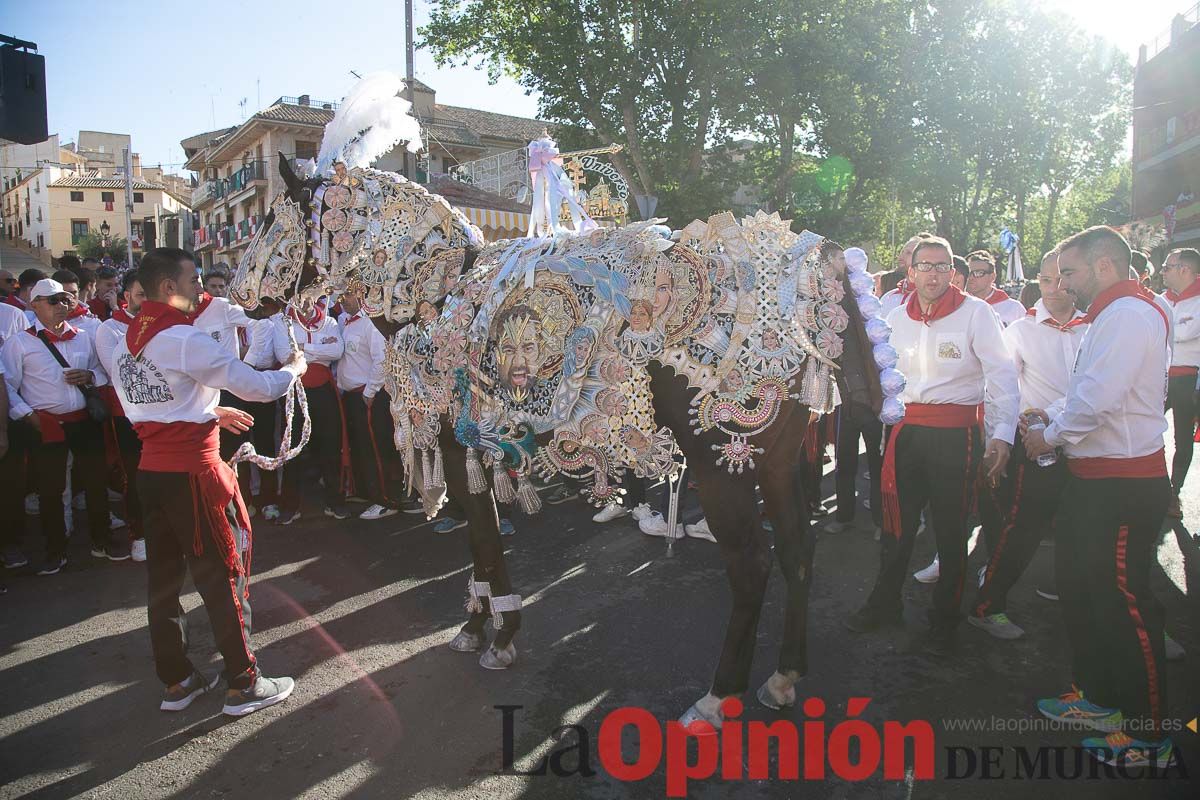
(595, 353)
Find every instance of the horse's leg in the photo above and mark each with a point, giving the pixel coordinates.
(787, 507)
(490, 576)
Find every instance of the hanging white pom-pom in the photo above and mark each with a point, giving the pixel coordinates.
(868, 306)
(885, 356)
(878, 331)
(861, 283)
(893, 411)
(892, 382)
(856, 259)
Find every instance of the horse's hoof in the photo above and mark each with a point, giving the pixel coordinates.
(768, 698)
(694, 714)
(498, 659)
(466, 642)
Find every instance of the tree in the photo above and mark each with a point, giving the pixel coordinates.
(91, 245)
(649, 75)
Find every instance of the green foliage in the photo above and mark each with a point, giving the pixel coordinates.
(92, 246)
(863, 119)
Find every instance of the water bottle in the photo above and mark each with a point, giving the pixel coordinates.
(1036, 424)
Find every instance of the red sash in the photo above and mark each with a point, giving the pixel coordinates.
(195, 448)
(316, 375)
(1151, 466)
(925, 415)
(52, 424)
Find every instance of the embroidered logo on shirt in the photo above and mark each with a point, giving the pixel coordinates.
(135, 381)
(948, 350)
(215, 334)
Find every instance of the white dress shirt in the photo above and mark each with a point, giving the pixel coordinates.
(35, 378)
(1114, 403)
(108, 334)
(221, 320)
(179, 375)
(260, 335)
(890, 301)
(1044, 353)
(311, 341)
(1008, 310)
(1186, 349)
(361, 366)
(12, 320)
(959, 359)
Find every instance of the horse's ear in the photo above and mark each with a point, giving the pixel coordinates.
(289, 177)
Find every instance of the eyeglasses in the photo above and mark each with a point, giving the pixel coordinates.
(929, 266)
(981, 273)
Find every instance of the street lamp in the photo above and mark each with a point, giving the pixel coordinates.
(104, 230)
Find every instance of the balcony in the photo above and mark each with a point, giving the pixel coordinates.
(206, 236)
(202, 195)
(242, 184)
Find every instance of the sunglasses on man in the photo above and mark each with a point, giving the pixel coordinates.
(981, 273)
(57, 300)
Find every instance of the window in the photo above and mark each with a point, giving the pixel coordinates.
(107, 197)
(306, 149)
(76, 197)
(138, 197)
(79, 229)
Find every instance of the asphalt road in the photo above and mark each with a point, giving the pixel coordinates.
(360, 612)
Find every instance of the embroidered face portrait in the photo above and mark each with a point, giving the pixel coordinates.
(519, 349)
(640, 316)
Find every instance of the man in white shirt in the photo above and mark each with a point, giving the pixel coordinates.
(320, 339)
(1019, 513)
(1111, 428)
(954, 359)
(894, 298)
(1181, 274)
(981, 282)
(25, 283)
(48, 399)
(369, 425)
(169, 376)
(80, 316)
(111, 332)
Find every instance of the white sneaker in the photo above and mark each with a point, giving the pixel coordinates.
(377, 511)
(700, 530)
(32, 505)
(610, 512)
(270, 512)
(930, 573)
(115, 522)
(998, 625)
(137, 550)
(640, 512)
(655, 525)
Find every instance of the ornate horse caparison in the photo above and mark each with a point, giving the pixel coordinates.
(592, 355)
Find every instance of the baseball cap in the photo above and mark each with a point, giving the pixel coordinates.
(46, 287)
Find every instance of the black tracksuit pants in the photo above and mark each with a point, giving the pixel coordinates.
(935, 467)
(373, 454)
(1108, 536)
(1024, 507)
(130, 447)
(856, 421)
(324, 446)
(171, 521)
(1181, 399)
(85, 441)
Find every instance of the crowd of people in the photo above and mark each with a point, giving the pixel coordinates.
(1039, 418)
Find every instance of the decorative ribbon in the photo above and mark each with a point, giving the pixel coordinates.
(551, 188)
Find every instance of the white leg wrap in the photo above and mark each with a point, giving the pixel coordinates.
(508, 602)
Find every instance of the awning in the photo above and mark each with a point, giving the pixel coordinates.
(497, 224)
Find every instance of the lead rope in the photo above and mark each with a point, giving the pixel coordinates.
(286, 452)
(674, 486)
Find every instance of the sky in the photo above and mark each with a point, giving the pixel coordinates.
(163, 71)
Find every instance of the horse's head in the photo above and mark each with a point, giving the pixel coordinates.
(278, 264)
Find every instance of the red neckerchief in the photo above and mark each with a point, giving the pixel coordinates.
(66, 336)
(944, 306)
(80, 310)
(153, 319)
(355, 318)
(1126, 288)
(13, 300)
(205, 301)
(1191, 291)
(121, 315)
(998, 295)
(311, 323)
(905, 288)
(1074, 322)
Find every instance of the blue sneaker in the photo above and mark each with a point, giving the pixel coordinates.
(1120, 750)
(1072, 708)
(506, 527)
(447, 524)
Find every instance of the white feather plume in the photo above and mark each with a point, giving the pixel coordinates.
(370, 121)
